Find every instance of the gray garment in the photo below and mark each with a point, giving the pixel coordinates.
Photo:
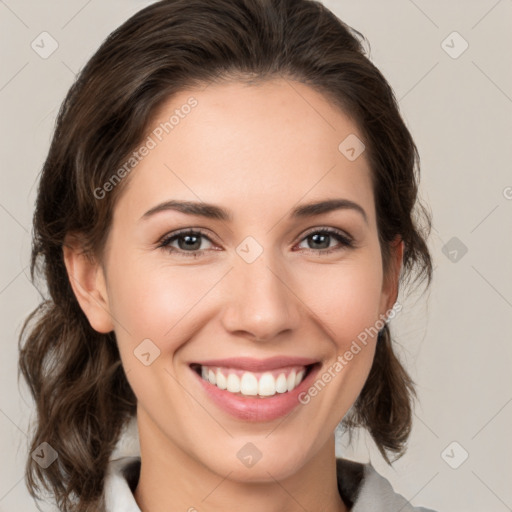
(360, 486)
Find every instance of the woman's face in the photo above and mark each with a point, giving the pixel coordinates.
(266, 290)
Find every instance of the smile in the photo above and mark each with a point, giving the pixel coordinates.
(248, 383)
(255, 390)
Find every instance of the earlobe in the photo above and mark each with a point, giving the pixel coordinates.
(87, 279)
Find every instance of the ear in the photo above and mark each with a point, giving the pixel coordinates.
(88, 282)
(391, 280)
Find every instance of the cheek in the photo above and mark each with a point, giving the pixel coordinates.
(150, 299)
(156, 302)
(345, 297)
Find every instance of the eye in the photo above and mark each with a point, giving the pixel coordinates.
(323, 236)
(189, 242)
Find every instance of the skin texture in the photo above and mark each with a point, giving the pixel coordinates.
(259, 151)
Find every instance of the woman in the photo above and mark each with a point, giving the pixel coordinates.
(223, 220)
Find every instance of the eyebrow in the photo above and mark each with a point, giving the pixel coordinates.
(212, 211)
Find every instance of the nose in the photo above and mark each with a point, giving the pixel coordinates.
(262, 303)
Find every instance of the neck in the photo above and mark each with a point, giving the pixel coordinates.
(171, 479)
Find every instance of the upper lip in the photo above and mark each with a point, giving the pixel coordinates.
(254, 365)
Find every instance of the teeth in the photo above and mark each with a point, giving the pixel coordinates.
(299, 377)
(221, 381)
(254, 384)
(233, 383)
(281, 384)
(249, 384)
(267, 385)
(291, 380)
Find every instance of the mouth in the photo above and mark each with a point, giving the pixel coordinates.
(255, 384)
(255, 390)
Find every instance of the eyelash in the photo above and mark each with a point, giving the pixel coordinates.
(346, 242)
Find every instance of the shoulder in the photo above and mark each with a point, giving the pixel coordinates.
(363, 489)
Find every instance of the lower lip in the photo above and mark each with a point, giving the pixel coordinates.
(258, 409)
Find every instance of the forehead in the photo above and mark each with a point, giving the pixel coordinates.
(270, 143)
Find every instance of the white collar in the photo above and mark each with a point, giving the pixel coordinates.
(358, 482)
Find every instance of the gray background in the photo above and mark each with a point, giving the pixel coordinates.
(455, 339)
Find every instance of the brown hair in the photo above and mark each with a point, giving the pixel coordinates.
(74, 373)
